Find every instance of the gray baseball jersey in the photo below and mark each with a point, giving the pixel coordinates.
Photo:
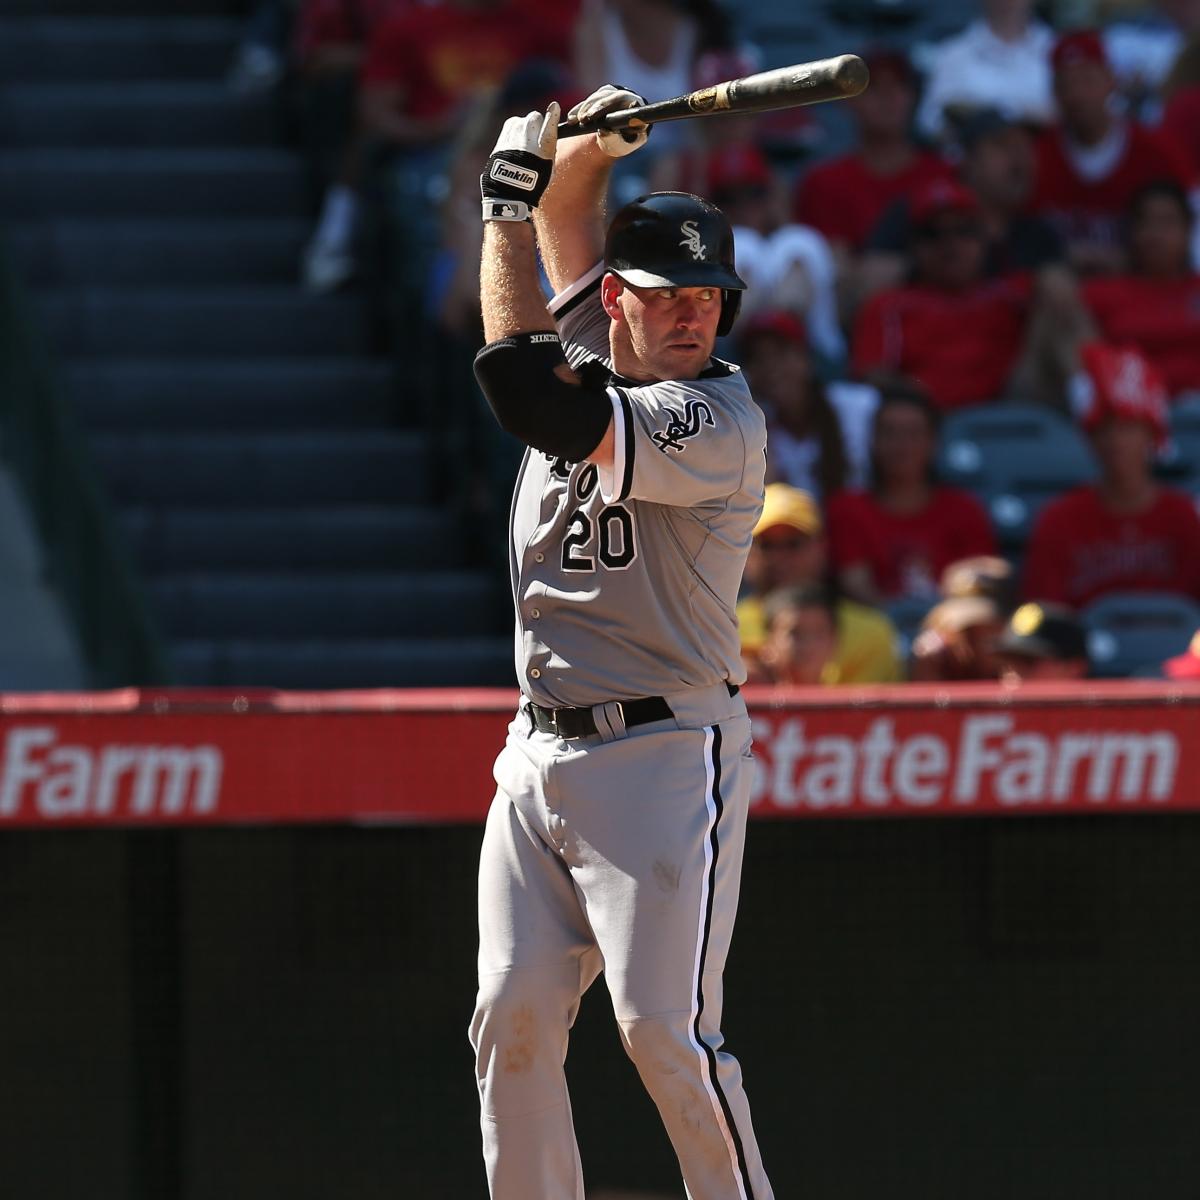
(621, 850)
(626, 585)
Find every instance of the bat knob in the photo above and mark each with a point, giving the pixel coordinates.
(851, 75)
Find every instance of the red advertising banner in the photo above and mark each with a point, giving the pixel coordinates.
(197, 758)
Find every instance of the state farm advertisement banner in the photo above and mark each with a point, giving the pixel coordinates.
(131, 758)
(959, 761)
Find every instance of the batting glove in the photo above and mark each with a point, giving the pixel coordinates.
(616, 143)
(519, 168)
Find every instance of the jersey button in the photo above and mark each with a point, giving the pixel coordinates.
(539, 558)
(535, 674)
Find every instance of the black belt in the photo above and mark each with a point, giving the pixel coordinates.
(571, 723)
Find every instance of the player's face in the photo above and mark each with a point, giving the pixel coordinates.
(669, 332)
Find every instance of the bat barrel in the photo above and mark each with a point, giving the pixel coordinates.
(785, 87)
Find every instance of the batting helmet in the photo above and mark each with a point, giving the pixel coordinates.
(675, 239)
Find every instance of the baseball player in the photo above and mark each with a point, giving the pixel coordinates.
(615, 838)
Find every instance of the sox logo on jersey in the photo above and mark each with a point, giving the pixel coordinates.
(680, 428)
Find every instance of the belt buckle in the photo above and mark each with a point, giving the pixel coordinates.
(553, 719)
(620, 706)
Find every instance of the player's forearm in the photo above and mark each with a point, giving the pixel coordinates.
(510, 292)
(570, 219)
(532, 391)
(522, 371)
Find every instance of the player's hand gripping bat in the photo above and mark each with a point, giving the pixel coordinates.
(785, 87)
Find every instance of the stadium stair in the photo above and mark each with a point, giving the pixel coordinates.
(282, 514)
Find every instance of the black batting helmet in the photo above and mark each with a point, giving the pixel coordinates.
(675, 239)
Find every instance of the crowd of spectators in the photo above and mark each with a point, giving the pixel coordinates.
(1011, 220)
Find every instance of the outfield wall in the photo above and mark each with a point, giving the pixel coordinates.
(203, 758)
(252, 977)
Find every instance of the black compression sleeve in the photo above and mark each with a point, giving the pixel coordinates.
(517, 375)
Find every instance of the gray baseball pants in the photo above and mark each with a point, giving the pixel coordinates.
(619, 852)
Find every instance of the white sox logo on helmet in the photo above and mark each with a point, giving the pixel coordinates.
(691, 239)
(680, 428)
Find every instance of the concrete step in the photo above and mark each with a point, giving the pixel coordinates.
(278, 470)
(177, 253)
(255, 322)
(346, 538)
(114, 49)
(234, 394)
(167, 114)
(330, 664)
(312, 605)
(92, 184)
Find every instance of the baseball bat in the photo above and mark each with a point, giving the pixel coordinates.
(785, 87)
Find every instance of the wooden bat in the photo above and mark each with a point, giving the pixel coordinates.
(785, 87)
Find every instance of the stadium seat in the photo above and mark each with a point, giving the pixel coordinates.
(1179, 463)
(1185, 416)
(1133, 632)
(336, 663)
(1014, 457)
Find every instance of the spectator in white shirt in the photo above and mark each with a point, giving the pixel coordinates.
(1142, 49)
(818, 433)
(786, 266)
(1001, 60)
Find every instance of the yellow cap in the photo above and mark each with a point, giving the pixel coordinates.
(792, 507)
(1027, 619)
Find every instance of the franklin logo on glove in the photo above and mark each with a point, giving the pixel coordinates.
(507, 172)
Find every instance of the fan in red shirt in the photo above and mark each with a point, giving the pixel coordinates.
(1156, 306)
(332, 34)
(422, 68)
(896, 539)
(1181, 123)
(955, 331)
(1092, 163)
(424, 63)
(330, 43)
(845, 197)
(1127, 532)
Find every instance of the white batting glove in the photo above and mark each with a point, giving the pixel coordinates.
(616, 143)
(520, 166)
